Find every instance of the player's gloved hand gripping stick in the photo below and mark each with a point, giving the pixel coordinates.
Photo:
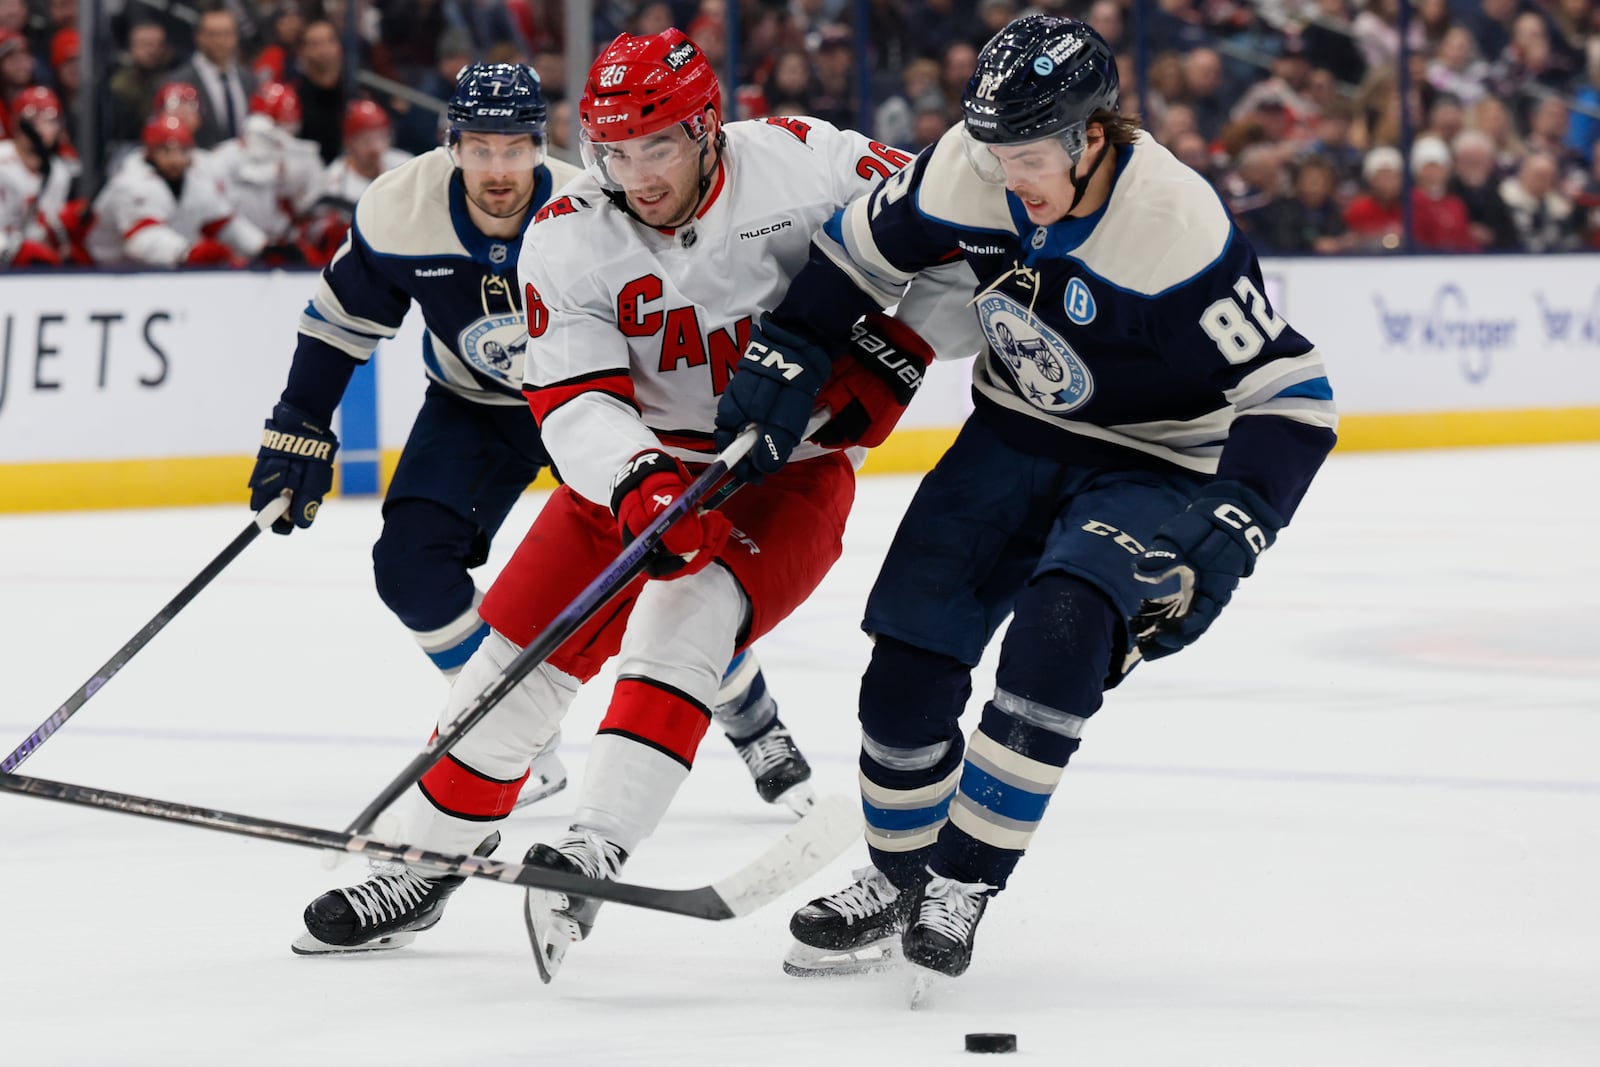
(271, 512)
(610, 582)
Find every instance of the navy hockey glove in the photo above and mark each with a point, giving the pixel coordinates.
(645, 487)
(1196, 560)
(296, 455)
(876, 377)
(774, 387)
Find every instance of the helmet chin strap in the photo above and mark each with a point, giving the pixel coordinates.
(1081, 186)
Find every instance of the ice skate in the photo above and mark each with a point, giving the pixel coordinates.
(944, 924)
(854, 931)
(781, 773)
(386, 911)
(546, 778)
(749, 716)
(555, 920)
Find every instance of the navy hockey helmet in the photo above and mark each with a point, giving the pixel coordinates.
(1041, 76)
(496, 98)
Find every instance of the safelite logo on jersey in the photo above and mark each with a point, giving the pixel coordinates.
(1047, 372)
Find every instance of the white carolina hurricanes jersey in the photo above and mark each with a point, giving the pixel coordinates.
(339, 182)
(139, 219)
(29, 204)
(634, 331)
(270, 176)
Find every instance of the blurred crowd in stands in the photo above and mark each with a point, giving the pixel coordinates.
(235, 132)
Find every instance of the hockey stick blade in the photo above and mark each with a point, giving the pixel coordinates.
(108, 670)
(809, 845)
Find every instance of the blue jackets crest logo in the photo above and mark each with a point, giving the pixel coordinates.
(1045, 370)
(1079, 302)
(495, 345)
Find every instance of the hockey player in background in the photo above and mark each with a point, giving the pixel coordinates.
(368, 152)
(271, 175)
(640, 282)
(166, 207)
(39, 226)
(1145, 424)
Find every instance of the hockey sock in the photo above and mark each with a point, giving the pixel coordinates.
(452, 644)
(641, 755)
(1052, 666)
(743, 706)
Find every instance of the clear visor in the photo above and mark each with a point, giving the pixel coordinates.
(1018, 164)
(497, 154)
(642, 162)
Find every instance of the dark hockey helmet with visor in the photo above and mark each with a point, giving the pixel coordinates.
(1040, 77)
(496, 98)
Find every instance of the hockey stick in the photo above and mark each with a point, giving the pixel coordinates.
(264, 518)
(606, 585)
(806, 848)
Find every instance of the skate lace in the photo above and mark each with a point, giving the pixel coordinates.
(387, 896)
(950, 907)
(869, 894)
(768, 751)
(595, 856)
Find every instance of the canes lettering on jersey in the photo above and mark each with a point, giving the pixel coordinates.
(684, 342)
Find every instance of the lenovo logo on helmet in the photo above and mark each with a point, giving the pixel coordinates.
(680, 56)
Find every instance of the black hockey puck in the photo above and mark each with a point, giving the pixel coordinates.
(991, 1042)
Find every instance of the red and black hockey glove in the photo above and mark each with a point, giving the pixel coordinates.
(880, 371)
(645, 487)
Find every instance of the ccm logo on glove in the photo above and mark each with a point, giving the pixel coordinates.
(767, 356)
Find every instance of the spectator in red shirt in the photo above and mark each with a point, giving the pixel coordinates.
(1373, 217)
(1439, 220)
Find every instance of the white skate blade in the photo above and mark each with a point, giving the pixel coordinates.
(547, 778)
(306, 945)
(924, 987)
(549, 934)
(804, 961)
(798, 798)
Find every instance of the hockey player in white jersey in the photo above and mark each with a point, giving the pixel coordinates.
(1145, 423)
(640, 281)
(445, 231)
(36, 227)
(368, 152)
(166, 206)
(271, 175)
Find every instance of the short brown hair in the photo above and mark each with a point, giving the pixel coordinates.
(1120, 127)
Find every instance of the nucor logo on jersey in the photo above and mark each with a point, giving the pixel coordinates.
(1047, 372)
(685, 343)
(751, 235)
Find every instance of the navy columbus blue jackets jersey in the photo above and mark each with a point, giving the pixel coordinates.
(413, 241)
(1139, 335)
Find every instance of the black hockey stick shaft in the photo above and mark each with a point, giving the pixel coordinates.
(599, 592)
(264, 518)
(702, 903)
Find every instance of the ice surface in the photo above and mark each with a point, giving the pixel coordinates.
(1357, 824)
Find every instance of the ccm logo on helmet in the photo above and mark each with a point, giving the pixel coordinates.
(497, 111)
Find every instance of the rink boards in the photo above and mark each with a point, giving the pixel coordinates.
(150, 389)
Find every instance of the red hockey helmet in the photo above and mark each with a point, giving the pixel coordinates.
(175, 95)
(35, 102)
(167, 130)
(643, 84)
(363, 116)
(279, 102)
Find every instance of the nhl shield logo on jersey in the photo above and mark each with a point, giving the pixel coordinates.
(495, 345)
(1047, 372)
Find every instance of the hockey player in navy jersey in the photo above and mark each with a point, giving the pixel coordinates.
(1145, 423)
(445, 231)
